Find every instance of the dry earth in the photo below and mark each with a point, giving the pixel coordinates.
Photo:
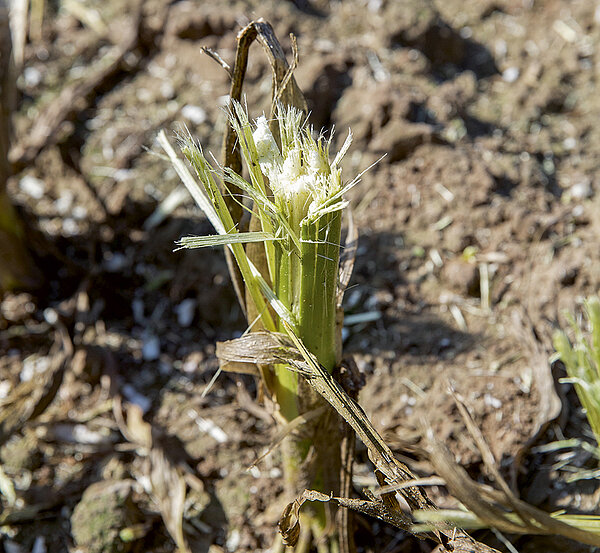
(478, 228)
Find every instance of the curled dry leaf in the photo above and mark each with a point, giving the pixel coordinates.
(285, 90)
(289, 524)
(270, 348)
(262, 348)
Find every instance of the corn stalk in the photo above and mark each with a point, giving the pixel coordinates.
(297, 196)
(286, 276)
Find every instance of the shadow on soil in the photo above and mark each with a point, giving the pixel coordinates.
(449, 50)
(406, 324)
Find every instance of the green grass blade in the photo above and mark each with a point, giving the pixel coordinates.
(190, 183)
(192, 242)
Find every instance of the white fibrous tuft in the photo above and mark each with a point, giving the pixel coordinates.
(303, 173)
(266, 147)
(315, 162)
(269, 158)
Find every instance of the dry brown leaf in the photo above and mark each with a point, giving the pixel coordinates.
(289, 523)
(139, 430)
(168, 492)
(30, 399)
(262, 348)
(375, 507)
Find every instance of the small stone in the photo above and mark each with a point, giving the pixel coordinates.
(64, 202)
(70, 227)
(50, 316)
(581, 190)
(151, 348)
(185, 312)
(233, 540)
(144, 95)
(104, 510)
(79, 212)
(511, 74)
(167, 91)
(195, 114)
(492, 401)
(32, 186)
(32, 76)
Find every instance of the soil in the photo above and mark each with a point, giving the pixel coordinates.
(477, 230)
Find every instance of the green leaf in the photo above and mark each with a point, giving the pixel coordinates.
(192, 242)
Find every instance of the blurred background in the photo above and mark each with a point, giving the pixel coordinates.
(476, 230)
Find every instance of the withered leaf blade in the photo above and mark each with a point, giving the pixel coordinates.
(497, 508)
(258, 348)
(169, 491)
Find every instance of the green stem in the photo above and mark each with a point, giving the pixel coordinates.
(318, 286)
(287, 380)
